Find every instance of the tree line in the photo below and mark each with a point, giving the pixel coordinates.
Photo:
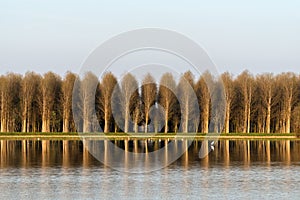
(264, 103)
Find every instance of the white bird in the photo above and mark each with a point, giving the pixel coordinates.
(203, 151)
(212, 145)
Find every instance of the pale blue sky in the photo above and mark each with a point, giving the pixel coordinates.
(39, 35)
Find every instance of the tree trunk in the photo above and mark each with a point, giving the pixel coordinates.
(205, 125)
(166, 124)
(45, 118)
(136, 120)
(186, 123)
(245, 119)
(196, 125)
(3, 123)
(3, 114)
(106, 122)
(126, 122)
(288, 117)
(166, 117)
(155, 126)
(176, 126)
(66, 123)
(146, 121)
(28, 121)
(24, 124)
(136, 127)
(86, 126)
(248, 118)
(34, 123)
(227, 117)
(268, 122)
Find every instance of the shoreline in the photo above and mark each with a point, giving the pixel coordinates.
(143, 136)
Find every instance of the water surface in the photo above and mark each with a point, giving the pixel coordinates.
(31, 169)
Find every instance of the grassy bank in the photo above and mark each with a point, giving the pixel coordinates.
(131, 136)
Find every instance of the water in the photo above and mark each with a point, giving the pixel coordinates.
(236, 169)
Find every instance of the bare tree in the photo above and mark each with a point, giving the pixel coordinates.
(229, 95)
(265, 83)
(3, 86)
(148, 97)
(218, 104)
(288, 82)
(188, 100)
(67, 92)
(167, 98)
(259, 112)
(204, 100)
(136, 112)
(129, 100)
(245, 82)
(29, 96)
(10, 103)
(278, 116)
(50, 86)
(88, 88)
(295, 121)
(108, 85)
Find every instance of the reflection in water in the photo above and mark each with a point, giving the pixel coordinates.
(67, 153)
(33, 169)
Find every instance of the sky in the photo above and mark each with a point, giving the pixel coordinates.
(41, 36)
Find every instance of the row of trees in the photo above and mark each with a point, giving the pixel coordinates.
(264, 103)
